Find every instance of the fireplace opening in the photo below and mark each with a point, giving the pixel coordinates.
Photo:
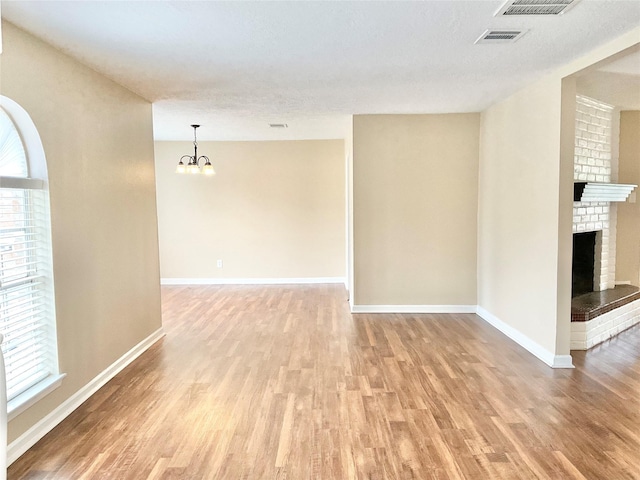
(584, 254)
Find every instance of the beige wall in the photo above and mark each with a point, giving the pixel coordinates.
(273, 210)
(628, 226)
(415, 209)
(518, 211)
(524, 241)
(565, 216)
(98, 141)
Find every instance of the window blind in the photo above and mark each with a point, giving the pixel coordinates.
(24, 303)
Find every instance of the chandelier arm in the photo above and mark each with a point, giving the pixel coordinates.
(194, 160)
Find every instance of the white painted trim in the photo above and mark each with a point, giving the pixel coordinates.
(250, 281)
(41, 389)
(554, 361)
(29, 438)
(36, 158)
(3, 417)
(562, 361)
(22, 183)
(413, 309)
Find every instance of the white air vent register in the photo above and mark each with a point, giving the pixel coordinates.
(535, 7)
(504, 35)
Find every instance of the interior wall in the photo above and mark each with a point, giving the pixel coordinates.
(348, 143)
(273, 210)
(518, 211)
(565, 222)
(524, 242)
(98, 141)
(628, 226)
(415, 187)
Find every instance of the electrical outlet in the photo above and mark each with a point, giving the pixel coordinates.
(219, 263)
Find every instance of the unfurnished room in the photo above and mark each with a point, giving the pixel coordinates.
(320, 240)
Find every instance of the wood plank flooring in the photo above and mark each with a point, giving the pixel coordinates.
(282, 382)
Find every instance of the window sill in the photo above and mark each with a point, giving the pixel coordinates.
(26, 399)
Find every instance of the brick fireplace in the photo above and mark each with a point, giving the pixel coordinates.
(593, 162)
(595, 317)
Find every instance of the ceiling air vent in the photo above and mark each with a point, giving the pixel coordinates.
(278, 125)
(500, 36)
(535, 7)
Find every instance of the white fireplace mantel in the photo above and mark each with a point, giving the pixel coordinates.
(601, 192)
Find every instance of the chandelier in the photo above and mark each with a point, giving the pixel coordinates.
(193, 165)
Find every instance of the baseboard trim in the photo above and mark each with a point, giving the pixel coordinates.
(29, 438)
(562, 361)
(554, 361)
(413, 308)
(251, 281)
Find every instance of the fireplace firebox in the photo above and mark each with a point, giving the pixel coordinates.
(584, 245)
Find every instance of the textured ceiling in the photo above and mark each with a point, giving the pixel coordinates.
(234, 67)
(616, 83)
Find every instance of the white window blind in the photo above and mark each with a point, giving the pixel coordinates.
(24, 302)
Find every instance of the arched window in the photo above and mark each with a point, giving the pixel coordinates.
(27, 309)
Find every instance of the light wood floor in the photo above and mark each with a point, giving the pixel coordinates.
(282, 382)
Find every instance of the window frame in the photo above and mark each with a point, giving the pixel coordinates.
(37, 179)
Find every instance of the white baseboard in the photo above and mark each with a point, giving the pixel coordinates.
(413, 308)
(562, 361)
(554, 361)
(29, 438)
(251, 281)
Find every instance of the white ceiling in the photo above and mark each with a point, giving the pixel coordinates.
(616, 83)
(234, 67)
(627, 65)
